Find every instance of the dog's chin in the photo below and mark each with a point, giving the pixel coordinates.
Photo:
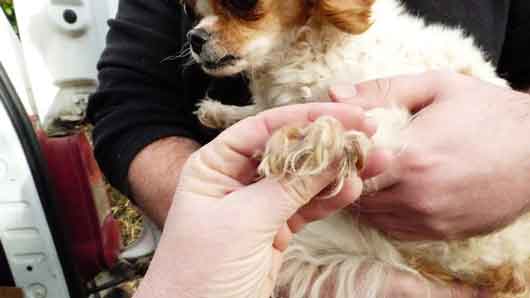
(225, 67)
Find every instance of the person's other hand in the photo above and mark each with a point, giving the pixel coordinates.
(225, 232)
(465, 165)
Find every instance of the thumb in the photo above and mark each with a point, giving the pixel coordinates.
(413, 92)
(277, 199)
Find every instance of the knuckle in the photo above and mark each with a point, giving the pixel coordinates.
(425, 206)
(261, 122)
(442, 230)
(417, 161)
(383, 85)
(374, 90)
(337, 203)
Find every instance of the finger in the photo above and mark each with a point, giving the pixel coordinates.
(269, 283)
(318, 209)
(384, 201)
(411, 91)
(382, 174)
(282, 238)
(232, 152)
(276, 200)
(376, 163)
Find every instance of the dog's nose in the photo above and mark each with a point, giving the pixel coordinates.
(197, 38)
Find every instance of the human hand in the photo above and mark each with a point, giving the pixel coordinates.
(464, 168)
(225, 232)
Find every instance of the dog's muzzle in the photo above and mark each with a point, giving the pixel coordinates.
(198, 38)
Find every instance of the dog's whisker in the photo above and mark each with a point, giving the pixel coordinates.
(184, 52)
(171, 58)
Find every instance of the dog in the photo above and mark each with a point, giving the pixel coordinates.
(291, 51)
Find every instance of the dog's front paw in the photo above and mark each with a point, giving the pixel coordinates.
(211, 113)
(311, 150)
(214, 114)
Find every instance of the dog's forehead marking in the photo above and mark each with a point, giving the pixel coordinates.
(204, 7)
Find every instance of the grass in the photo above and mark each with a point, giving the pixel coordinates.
(129, 218)
(130, 225)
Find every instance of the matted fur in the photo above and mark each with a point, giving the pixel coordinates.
(309, 151)
(299, 67)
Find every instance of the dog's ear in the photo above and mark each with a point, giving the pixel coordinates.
(350, 16)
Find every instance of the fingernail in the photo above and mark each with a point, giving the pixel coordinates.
(343, 91)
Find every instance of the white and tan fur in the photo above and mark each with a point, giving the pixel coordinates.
(296, 63)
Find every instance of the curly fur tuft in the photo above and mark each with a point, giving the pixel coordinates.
(309, 151)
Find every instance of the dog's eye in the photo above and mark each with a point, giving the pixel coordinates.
(242, 5)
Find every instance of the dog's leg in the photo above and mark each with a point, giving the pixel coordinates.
(214, 114)
(307, 151)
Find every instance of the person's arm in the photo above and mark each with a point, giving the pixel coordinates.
(144, 98)
(154, 173)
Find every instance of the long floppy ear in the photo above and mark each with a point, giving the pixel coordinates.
(350, 16)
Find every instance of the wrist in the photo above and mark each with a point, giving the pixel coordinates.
(153, 175)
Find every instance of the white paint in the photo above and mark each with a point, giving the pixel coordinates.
(24, 232)
(61, 56)
(3, 169)
(13, 62)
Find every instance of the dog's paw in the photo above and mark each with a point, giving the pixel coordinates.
(311, 150)
(212, 114)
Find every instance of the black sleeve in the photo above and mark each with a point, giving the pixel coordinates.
(142, 96)
(514, 64)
